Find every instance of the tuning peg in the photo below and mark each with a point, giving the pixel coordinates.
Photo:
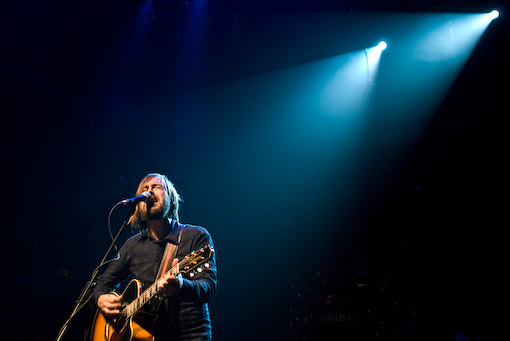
(207, 265)
(192, 274)
(199, 270)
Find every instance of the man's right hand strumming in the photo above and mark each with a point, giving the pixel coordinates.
(110, 305)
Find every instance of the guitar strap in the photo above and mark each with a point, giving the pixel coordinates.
(169, 254)
(166, 263)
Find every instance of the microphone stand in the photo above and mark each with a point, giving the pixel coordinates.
(80, 302)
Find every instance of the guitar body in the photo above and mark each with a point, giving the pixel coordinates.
(123, 329)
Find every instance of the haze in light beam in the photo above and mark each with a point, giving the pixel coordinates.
(456, 37)
(347, 91)
(373, 56)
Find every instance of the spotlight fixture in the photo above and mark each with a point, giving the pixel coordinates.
(493, 14)
(382, 45)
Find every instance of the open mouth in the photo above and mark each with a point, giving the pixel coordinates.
(151, 202)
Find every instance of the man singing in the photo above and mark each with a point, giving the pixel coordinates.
(183, 312)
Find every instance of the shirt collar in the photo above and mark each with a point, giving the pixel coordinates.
(172, 236)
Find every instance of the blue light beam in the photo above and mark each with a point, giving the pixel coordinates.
(373, 56)
(345, 93)
(455, 38)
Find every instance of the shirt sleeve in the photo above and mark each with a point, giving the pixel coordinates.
(202, 286)
(117, 271)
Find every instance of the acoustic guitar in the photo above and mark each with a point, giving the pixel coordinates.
(140, 307)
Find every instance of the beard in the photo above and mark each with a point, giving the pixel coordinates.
(150, 212)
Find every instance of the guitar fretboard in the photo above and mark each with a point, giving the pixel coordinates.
(148, 294)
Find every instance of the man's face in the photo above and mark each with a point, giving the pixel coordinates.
(159, 204)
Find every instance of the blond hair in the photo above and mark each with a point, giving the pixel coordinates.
(136, 220)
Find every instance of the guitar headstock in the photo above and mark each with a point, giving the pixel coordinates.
(195, 260)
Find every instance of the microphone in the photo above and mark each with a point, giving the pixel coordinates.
(137, 199)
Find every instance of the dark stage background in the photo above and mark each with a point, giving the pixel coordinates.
(386, 227)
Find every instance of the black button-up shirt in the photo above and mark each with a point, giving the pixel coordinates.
(185, 316)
